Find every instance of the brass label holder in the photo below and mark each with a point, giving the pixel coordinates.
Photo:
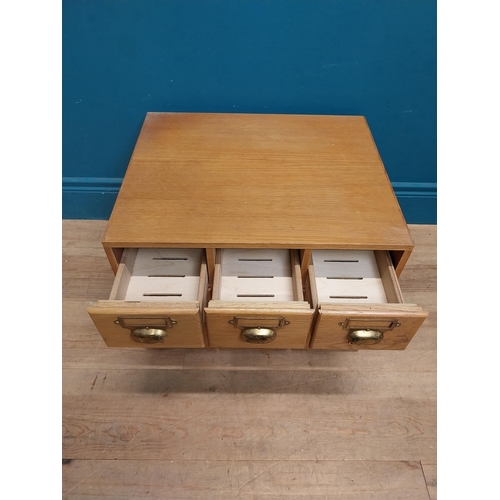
(382, 325)
(131, 323)
(243, 323)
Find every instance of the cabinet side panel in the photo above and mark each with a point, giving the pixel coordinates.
(114, 256)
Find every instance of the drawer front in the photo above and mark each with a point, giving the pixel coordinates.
(359, 302)
(373, 327)
(259, 328)
(148, 325)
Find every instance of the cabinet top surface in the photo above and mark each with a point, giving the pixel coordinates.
(242, 180)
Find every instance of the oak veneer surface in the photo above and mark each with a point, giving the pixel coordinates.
(243, 424)
(243, 180)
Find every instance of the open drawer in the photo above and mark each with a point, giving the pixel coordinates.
(157, 300)
(258, 300)
(359, 302)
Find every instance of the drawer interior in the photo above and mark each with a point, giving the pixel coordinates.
(354, 276)
(257, 275)
(159, 275)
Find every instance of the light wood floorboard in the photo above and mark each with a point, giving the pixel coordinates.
(430, 474)
(243, 480)
(237, 424)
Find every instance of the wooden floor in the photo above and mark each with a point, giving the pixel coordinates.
(244, 424)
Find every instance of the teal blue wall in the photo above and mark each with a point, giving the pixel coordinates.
(123, 58)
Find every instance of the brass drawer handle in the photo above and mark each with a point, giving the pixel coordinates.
(258, 335)
(365, 337)
(147, 330)
(148, 335)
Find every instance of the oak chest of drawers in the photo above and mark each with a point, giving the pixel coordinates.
(256, 231)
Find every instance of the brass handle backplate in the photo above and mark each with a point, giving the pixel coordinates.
(148, 335)
(368, 331)
(365, 337)
(258, 335)
(147, 330)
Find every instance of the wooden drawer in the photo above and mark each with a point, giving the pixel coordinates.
(258, 300)
(156, 301)
(359, 302)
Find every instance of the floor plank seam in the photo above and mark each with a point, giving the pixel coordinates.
(425, 480)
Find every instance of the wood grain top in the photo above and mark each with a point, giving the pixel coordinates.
(243, 180)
